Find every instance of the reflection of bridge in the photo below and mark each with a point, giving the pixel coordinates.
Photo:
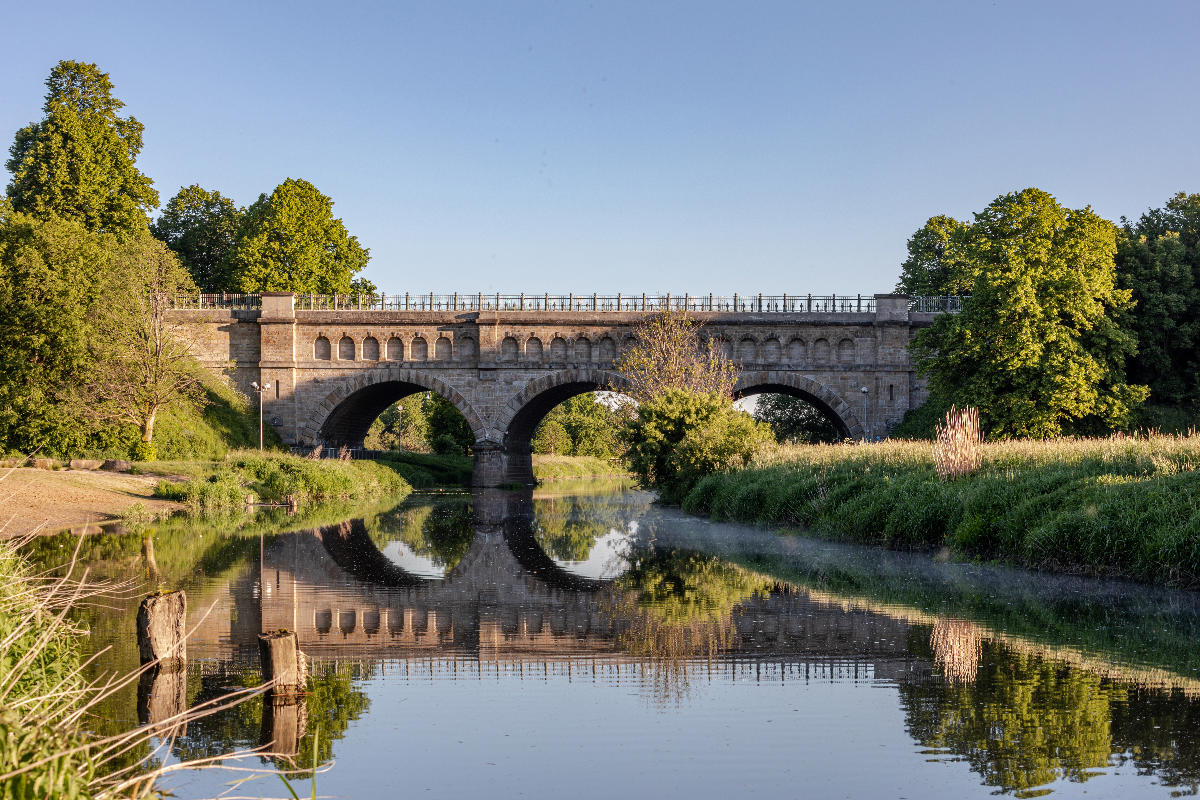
(501, 603)
(332, 370)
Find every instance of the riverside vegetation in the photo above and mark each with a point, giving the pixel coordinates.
(1122, 505)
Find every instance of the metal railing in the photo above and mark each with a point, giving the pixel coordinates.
(743, 303)
(736, 303)
(944, 304)
(216, 300)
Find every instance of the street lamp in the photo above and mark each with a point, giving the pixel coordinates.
(260, 390)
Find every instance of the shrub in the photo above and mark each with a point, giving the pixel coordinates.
(142, 451)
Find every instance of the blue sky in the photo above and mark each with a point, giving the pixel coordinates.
(651, 146)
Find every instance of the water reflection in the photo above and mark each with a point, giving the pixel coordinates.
(1027, 681)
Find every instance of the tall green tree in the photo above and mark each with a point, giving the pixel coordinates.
(291, 242)
(580, 426)
(934, 265)
(54, 274)
(1158, 260)
(1039, 348)
(201, 227)
(143, 363)
(79, 161)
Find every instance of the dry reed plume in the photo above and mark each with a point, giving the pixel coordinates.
(957, 452)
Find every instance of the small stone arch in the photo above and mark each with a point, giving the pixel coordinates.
(558, 349)
(821, 351)
(796, 351)
(508, 349)
(583, 349)
(747, 350)
(466, 348)
(726, 347)
(628, 341)
(845, 351)
(419, 349)
(370, 349)
(395, 349)
(772, 351)
(321, 349)
(345, 349)
(813, 391)
(443, 349)
(533, 349)
(607, 349)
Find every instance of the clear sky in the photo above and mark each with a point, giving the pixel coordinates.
(643, 146)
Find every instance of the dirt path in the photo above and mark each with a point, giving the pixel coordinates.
(50, 501)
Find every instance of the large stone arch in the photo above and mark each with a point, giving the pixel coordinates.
(521, 415)
(353, 402)
(808, 389)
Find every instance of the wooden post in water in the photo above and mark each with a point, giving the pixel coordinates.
(283, 665)
(284, 723)
(160, 629)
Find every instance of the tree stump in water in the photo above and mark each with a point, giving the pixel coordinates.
(161, 628)
(282, 662)
(284, 722)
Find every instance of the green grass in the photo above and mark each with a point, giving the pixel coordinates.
(554, 467)
(273, 477)
(424, 470)
(1121, 506)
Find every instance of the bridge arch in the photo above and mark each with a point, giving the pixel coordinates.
(521, 415)
(353, 403)
(808, 389)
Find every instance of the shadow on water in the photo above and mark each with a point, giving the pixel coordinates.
(1028, 679)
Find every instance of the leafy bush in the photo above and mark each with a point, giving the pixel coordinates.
(680, 436)
(143, 451)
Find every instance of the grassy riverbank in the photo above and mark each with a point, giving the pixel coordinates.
(273, 477)
(555, 468)
(1118, 506)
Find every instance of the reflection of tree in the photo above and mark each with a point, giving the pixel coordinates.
(440, 530)
(1022, 724)
(567, 527)
(334, 701)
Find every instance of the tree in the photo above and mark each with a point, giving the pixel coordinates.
(78, 162)
(143, 363)
(793, 420)
(669, 354)
(1039, 347)
(935, 265)
(53, 275)
(679, 436)
(449, 432)
(579, 426)
(201, 227)
(1158, 260)
(291, 242)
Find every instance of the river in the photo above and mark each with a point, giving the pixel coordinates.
(588, 643)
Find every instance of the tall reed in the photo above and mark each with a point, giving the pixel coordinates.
(957, 451)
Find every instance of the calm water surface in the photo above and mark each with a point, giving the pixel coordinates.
(595, 645)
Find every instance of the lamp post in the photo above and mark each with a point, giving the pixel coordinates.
(260, 390)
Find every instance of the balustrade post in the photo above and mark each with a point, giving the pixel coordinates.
(833, 302)
(668, 301)
(571, 301)
(497, 301)
(455, 301)
(618, 301)
(643, 301)
(594, 306)
(735, 301)
(522, 304)
(760, 302)
(406, 301)
(810, 303)
(860, 303)
(546, 302)
(431, 301)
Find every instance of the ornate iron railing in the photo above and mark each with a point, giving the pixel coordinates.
(738, 303)
(951, 304)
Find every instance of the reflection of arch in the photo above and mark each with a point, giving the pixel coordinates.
(353, 403)
(820, 396)
(520, 417)
(351, 548)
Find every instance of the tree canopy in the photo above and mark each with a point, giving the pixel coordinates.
(580, 426)
(78, 162)
(935, 264)
(794, 421)
(201, 227)
(1039, 347)
(291, 242)
(1158, 260)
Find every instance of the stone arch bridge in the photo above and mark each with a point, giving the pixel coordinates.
(334, 364)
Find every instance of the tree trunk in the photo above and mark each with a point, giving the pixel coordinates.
(148, 426)
(160, 625)
(282, 662)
